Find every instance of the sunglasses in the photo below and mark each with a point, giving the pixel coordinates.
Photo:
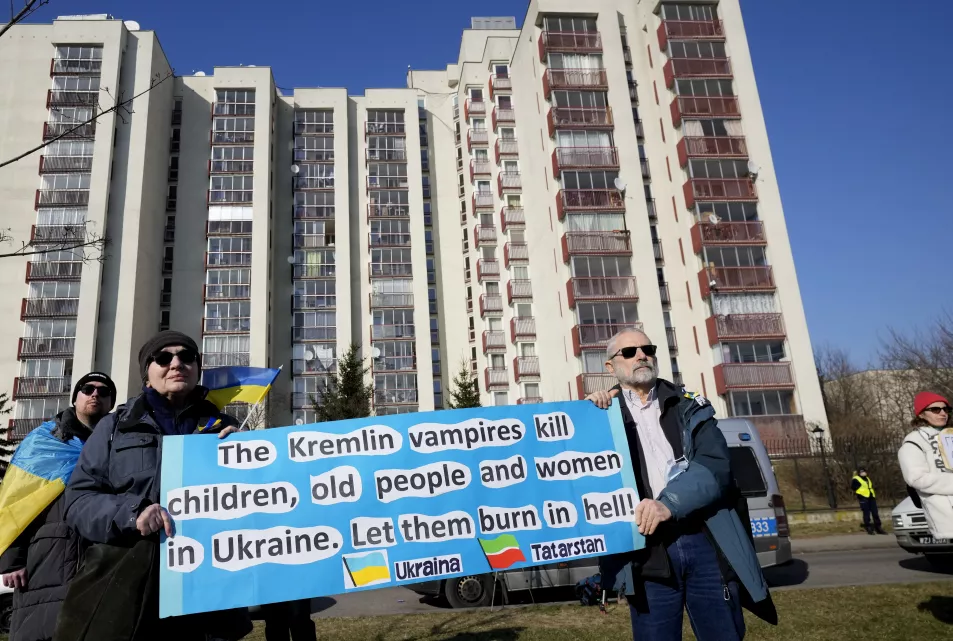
(937, 410)
(630, 352)
(164, 359)
(99, 390)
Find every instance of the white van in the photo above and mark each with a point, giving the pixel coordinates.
(755, 479)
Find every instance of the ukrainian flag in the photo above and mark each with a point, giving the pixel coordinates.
(367, 569)
(238, 384)
(37, 474)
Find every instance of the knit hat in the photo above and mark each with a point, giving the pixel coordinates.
(924, 400)
(98, 377)
(157, 343)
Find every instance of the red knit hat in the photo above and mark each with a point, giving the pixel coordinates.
(924, 400)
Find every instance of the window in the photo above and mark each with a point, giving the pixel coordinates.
(428, 241)
(315, 294)
(48, 368)
(424, 160)
(718, 168)
(312, 176)
(761, 403)
(574, 61)
(40, 408)
(425, 182)
(500, 399)
(437, 393)
(582, 138)
(230, 189)
(65, 181)
(431, 272)
(697, 49)
(505, 102)
(434, 331)
(314, 263)
(580, 99)
(476, 95)
(531, 390)
(54, 289)
(165, 317)
(478, 124)
(227, 283)
(314, 204)
(314, 149)
(600, 266)
(507, 133)
(501, 71)
(568, 24)
(234, 102)
(314, 121)
(314, 358)
(233, 130)
(49, 329)
(747, 472)
(229, 251)
(76, 83)
(225, 351)
(395, 388)
(395, 356)
(385, 121)
(314, 326)
(722, 304)
(589, 179)
(428, 216)
(71, 115)
(608, 313)
(735, 257)
(708, 87)
(307, 391)
(70, 148)
(690, 12)
(753, 352)
(391, 262)
(593, 362)
(594, 222)
(386, 148)
(392, 323)
(729, 212)
(77, 59)
(232, 316)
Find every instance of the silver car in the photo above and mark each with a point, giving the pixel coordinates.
(913, 534)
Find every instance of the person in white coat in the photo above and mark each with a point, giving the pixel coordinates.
(927, 464)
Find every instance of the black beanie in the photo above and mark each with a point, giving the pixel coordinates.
(157, 343)
(98, 377)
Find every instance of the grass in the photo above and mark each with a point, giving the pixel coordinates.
(814, 530)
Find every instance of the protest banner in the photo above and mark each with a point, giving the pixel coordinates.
(313, 510)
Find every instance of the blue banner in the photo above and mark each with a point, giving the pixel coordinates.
(313, 510)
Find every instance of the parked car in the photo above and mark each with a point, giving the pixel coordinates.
(6, 608)
(755, 477)
(913, 534)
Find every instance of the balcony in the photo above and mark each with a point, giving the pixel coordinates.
(477, 137)
(584, 158)
(664, 294)
(508, 182)
(695, 68)
(711, 147)
(689, 30)
(473, 108)
(40, 234)
(569, 42)
(480, 168)
(384, 128)
(500, 83)
(65, 164)
(727, 233)
(579, 79)
(529, 400)
(607, 243)
(506, 147)
(579, 118)
(33, 387)
(585, 200)
(644, 163)
(44, 346)
(588, 336)
(227, 228)
(488, 268)
(491, 304)
(741, 376)
(639, 129)
(75, 66)
(503, 116)
(482, 200)
(586, 384)
(395, 397)
(54, 270)
(657, 250)
(512, 217)
(373, 182)
(314, 301)
(525, 367)
(61, 197)
(611, 288)
(48, 308)
(704, 107)
(56, 98)
(484, 234)
(519, 289)
(515, 252)
(494, 341)
(374, 240)
(380, 332)
(671, 339)
(220, 292)
(232, 167)
(718, 189)
(385, 270)
(780, 430)
(736, 279)
(650, 206)
(496, 378)
(383, 211)
(20, 427)
(68, 130)
(522, 328)
(224, 325)
(744, 327)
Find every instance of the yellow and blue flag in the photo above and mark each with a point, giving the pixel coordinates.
(37, 474)
(367, 569)
(238, 384)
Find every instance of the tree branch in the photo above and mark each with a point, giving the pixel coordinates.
(26, 12)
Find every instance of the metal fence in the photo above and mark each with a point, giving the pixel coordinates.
(815, 474)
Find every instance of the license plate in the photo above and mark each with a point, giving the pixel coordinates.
(929, 540)
(766, 526)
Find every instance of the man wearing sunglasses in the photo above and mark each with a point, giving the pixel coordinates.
(45, 556)
(697, 550)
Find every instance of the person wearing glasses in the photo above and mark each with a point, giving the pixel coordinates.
(45, 556)
(113, 502)
(926, 461)
(698, 551)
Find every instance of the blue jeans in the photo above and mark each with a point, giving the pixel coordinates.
(714, 609)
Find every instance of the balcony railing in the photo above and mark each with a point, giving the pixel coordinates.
(525, 367)
(391, 269)
(494, 341)
(228, 228)
(519, 289)
(579, 118)
(657, 249)
(482, 200)
(314, 128)
(512, 217)
(383, 240)
(515, 252)
(29, 387)
(391, 300)
(477, 137)
(488, 268)
(718, 189)
(650, 206)
(385, 211)
(231, 166)
(480, 168)
(688, 30)
(62, 197)
(20, 427)
(736, 327)
(569, 41)
(48, 307)
(522, 328)
(46, 347)
(606, 243)
(57, 233)
(730, 376)
(490, 304)
(671, 339)
(373, 182)
(583, 79)
(611, 288)
(508, 181)
(711, 147)
(664, 293)
(225, 292)
(503, 116)
(395, 396)
(473, 108)
(386, 155)
(584, 158)
(496, 377)
(704, 107)
(484, 234)
(506, 147)
(65, 164)
(586, 384)
(695, 68)
(392, 331)
(596, 336)
(727, 233)
(730, 279)
(500, 83)
(780, 432)
(56, 98)
(54, 270)
(589, 200)
(386, 128)
(227, 325)
(68, 130)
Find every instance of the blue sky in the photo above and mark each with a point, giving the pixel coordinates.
(849, 90)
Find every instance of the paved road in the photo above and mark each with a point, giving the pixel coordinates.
(807, 570)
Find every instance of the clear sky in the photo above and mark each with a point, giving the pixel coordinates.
(849, 89)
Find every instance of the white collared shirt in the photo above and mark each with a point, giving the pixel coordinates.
(659, 456)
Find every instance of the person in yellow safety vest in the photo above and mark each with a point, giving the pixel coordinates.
(864, 488)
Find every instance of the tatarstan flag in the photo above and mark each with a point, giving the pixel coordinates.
(502, 552)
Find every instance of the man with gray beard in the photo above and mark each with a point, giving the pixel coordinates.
(698, 551)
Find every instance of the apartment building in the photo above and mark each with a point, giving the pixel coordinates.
(586, 172)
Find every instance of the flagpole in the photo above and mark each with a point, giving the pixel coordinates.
(241, 428)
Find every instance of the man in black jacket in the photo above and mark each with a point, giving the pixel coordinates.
(42, 560)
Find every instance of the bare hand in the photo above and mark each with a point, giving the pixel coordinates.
(649, 514)
(153, 519)
(15, 580)
(603, 399)
(231, 429)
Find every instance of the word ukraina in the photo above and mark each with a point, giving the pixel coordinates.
(375, 440)
(474, 433)
(231, 500)
(240, 549)
(425, 568)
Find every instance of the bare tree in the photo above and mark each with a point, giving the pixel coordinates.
(924, 359)
(28, 9)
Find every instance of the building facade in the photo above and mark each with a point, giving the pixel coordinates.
(587, 172)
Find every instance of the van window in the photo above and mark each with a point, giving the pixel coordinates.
(744, 465)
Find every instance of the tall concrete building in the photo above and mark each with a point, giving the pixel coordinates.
(589, 171)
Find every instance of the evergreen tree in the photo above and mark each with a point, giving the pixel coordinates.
(466, 392)
(346, 396)
(7, 446)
